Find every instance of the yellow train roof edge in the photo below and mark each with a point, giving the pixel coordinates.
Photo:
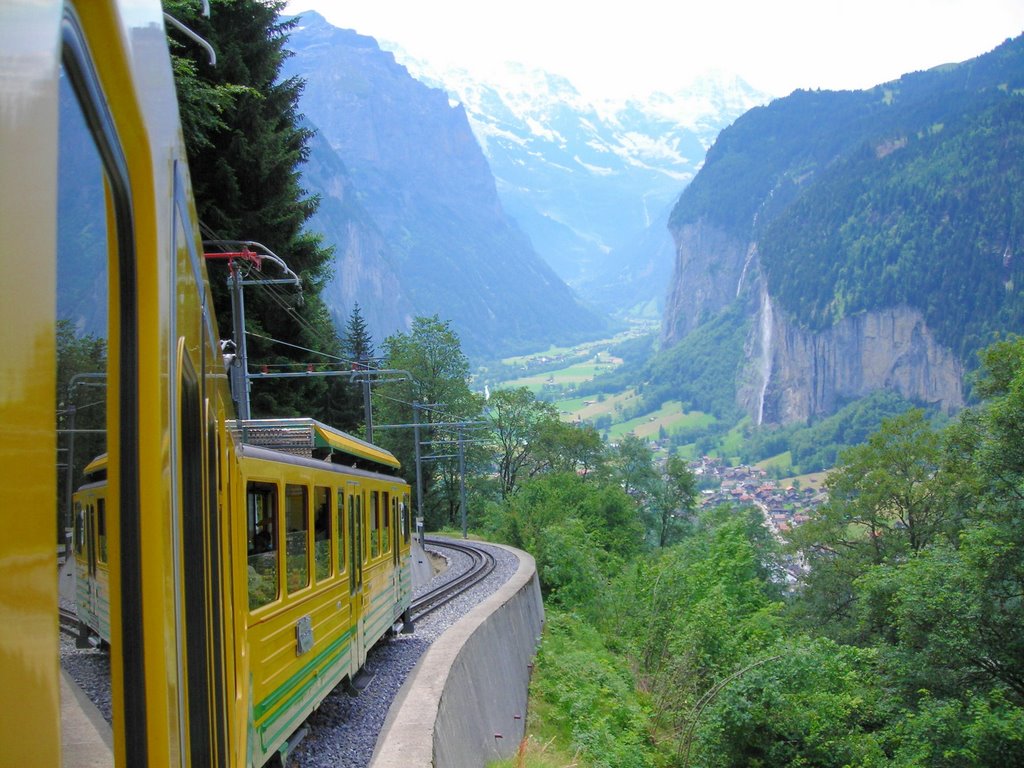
(303, 435)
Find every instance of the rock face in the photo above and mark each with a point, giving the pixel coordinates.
(709, 273)
(793, 374)
(811, 374)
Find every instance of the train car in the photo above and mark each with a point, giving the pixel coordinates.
(326, 571)
(89, 547)
(184, 639)
(325, 528)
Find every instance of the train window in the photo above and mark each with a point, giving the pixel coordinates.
(322, 532)
(79, 528)
(339, 532)
(357, 549)
(385, 534)
(360, 539)
(406, 522)
(296, 521)
(101, 530)
(374, 523)
(261, 511)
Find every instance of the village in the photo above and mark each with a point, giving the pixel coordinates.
(784, 506)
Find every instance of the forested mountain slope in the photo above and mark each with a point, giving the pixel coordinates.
(872, 238)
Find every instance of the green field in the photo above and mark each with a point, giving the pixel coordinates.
(583, 363)
(670, 417)
(572, 374)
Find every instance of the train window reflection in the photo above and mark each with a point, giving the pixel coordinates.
(322, 532)
(296, 499)
(261, 511)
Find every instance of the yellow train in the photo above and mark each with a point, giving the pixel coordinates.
(236, 574)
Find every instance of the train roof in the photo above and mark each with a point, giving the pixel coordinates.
(310, 438)
(99, 464)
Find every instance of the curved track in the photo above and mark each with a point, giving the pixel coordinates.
(482, 563)
(69, 623)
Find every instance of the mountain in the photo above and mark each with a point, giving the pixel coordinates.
(410, 204)
(592, 183)
(868, 239)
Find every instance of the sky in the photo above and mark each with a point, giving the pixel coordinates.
(616, 49)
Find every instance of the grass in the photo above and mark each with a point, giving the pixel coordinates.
(573, 374)
(670, 416)
(593, 407)
(783, 462)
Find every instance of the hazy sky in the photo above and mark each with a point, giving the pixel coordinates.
(642, 45)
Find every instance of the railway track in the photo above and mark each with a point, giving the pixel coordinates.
(481, 565)
(69, 623)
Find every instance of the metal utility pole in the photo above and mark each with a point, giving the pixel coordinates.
(367, 403)
(239, 368)
(419, 462)
(240, 365)
(462, 481)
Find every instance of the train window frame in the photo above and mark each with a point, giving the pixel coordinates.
(374, 524)
(101, 530)
(385, 528)
(268, 542)
(406, 519)
(126, 578)
(300, 560)
(323, 510)
(340, 541)
(79, 522)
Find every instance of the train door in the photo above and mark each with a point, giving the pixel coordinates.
(87, 592)
(201, 546)
(356, 549)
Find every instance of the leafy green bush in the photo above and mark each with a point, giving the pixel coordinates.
(594, 705)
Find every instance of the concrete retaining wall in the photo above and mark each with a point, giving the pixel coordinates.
(464, 704)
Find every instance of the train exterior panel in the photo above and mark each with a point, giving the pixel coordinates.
(92, 570)
(217, 650)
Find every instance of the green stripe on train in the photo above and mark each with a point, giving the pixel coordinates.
(284, 690)
(278, 728)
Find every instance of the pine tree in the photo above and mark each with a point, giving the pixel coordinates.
(357, 344)
(357, 349)
(245, 146)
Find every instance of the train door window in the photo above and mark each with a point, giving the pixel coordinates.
(394, 528)
(356, 547)
(101, 530)
(79, 528)
(385, 533)
(322, 531)
(406, 522)
(90, 537)
(374, 523)
(296, 515)
(360, 545)
(261, 512)
(339, 532)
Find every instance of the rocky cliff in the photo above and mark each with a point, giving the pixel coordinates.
(795, 374)
(792, 373)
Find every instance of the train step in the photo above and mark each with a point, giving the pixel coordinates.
(359, 683)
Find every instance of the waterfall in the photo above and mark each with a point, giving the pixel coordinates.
(766, 348)
(746, 263)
